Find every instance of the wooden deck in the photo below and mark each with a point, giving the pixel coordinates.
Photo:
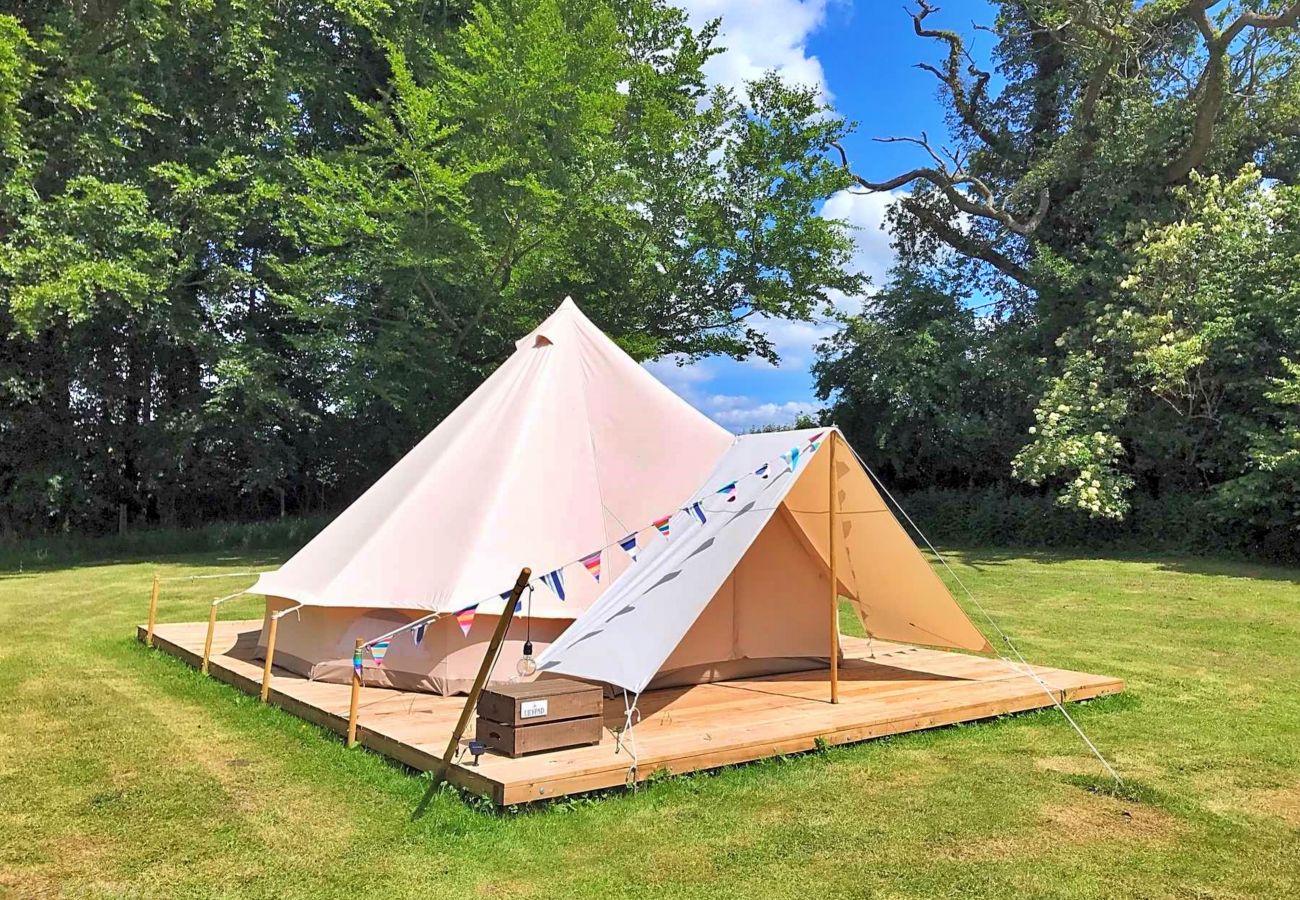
(681, 730)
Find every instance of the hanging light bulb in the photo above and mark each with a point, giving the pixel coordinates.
(526, 665)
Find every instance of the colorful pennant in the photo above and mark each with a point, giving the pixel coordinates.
(663, 525)
(816, 437)
(465, 618)
(592, 564)
(356, 661)
(555, 581)
(791, 459)
(378, 651)
(505, 598)
(629, 545)
(698, 510)
(761, 470)
(729, 490)
(418, 633)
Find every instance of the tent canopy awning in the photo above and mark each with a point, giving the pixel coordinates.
(626, 636)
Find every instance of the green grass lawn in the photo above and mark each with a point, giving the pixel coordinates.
(125, 773)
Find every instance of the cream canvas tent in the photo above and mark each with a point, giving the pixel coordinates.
(566, 447)
(743, 585)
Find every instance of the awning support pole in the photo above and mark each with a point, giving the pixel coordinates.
(832, 509)
(439, 771)
(270, 653)
(356, 695)
(153, 612)
(207, 641)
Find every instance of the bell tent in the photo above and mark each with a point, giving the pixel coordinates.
(567, 457)
(567, 446)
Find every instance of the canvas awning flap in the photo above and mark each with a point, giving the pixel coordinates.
(625, 637)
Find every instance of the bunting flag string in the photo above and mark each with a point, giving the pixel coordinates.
(592, 561)
(629, 545)
(592, 564)
(465, 618)
(555, 581)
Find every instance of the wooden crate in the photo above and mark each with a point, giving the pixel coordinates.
(547, 700)
(516, 740)
(542, 715)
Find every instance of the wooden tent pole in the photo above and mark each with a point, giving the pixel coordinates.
(270, 652)
(356, 695)
(207, 641)
(832, 509)
(153, 613)
(484, 670)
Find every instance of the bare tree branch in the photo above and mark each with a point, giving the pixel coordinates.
(967, 103)
(949, 179)
(966, 245)
(1212, 85)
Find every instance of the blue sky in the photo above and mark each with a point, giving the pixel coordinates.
(862, 56)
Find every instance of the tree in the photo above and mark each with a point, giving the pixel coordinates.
(1191, 382)
(1107, 106)
(927, 385)
(249, 253)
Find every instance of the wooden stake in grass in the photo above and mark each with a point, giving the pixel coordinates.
(270, 652)
(832, 508)
(207, 641)
(484, 670)
(356, 695)
(153, 613)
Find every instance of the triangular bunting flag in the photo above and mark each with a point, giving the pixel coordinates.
(465, 618)
(761, 470)
(629, 545)
(378, 651)
(699, 512)
(663, 525)
(555, 581)
(505, 597)
(729, 490)
(356, 661)
(592, 564)
(791, 459)
(418, 632)
(816, 437)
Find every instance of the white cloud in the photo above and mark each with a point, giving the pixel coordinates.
(742, 413)
(762, 35)
(866, 213)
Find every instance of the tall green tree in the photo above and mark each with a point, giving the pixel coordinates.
(251, 252)
(1110, 147)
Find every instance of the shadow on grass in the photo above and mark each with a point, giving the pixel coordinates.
(982, 558)
(14, 565)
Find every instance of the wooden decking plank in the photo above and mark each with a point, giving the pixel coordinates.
(683, 729)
